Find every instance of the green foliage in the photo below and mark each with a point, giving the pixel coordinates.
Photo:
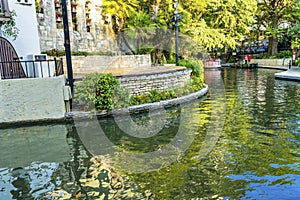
(8, 28)
(281, 54)
(270, 16)
(284, 54)
(58, 53)
(193, 85)
(54, 52)
(207, 24)
(100, 91)
(195, 65)
(298, 62)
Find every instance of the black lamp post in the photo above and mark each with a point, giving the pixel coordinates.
(176, 28)
(67, 45)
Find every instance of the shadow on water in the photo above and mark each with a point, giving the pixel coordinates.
(255, 156)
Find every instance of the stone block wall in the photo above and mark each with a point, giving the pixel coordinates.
(271, 62)
(140, 84)
(89, 32)
(82, 64)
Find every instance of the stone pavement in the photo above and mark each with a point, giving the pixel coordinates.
(290, 74)
(122, 72)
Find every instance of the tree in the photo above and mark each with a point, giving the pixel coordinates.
(294, 31)
(207, 24)
(273, 17)
(220, 23)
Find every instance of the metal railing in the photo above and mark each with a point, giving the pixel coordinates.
(31, 69)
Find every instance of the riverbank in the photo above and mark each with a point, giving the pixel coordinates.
(289, 73)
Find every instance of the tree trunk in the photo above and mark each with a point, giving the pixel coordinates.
(273, 46)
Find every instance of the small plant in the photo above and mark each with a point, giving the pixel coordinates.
(194, 84)
(8, 28)
(195, 65)
(55, 52)
(284, 54)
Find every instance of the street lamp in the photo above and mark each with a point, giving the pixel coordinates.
(67, 45)
(176, 28)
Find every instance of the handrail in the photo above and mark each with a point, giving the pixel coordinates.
(31, 69)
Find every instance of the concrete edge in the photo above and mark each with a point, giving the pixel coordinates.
(46, 121)
(287, 76)
(137, 109)
(273, 67)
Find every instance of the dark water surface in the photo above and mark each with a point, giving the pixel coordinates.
(239, 142)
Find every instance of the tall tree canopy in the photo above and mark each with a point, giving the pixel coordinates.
(208, 23)
(274, 17)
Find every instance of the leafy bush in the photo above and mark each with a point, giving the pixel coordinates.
(281, 54)
(195, 65)
(284, 54)
(193, 85)
(101, 91)
(54, 52)
(298, 62)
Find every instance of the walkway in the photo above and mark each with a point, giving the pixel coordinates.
(290, 74)
(122, 72)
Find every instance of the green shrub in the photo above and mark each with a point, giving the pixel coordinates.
(195, 65)
(298, 62)
(54, 52)
(193, 85)
(281, 54)
(284, 54)
(100, 91)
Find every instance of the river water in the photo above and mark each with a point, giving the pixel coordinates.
(241, 141)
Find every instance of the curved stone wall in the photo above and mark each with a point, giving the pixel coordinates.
(141, 83)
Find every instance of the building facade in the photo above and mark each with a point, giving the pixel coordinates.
(89, 32)
(27, 41)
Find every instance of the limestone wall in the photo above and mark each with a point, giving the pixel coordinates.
(32, 99)
(271, 62)
(140, 84)
(82, 64)
(88, 30)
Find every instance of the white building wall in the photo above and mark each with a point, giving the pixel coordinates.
(27, 41)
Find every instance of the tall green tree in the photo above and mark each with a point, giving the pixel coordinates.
(219, 23)
(273, 17)
(208, 23)
(294, 31)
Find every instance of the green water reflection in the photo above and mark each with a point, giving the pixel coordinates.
(256, 154)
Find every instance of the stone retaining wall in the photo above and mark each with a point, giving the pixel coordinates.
(271, 62)
(32, 99)
(139, 84)
(87, 64)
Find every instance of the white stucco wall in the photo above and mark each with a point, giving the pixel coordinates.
(27, 41)
(32, 99)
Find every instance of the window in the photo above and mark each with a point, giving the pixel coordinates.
(58, 14)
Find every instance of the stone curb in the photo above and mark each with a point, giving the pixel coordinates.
(141, 108)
